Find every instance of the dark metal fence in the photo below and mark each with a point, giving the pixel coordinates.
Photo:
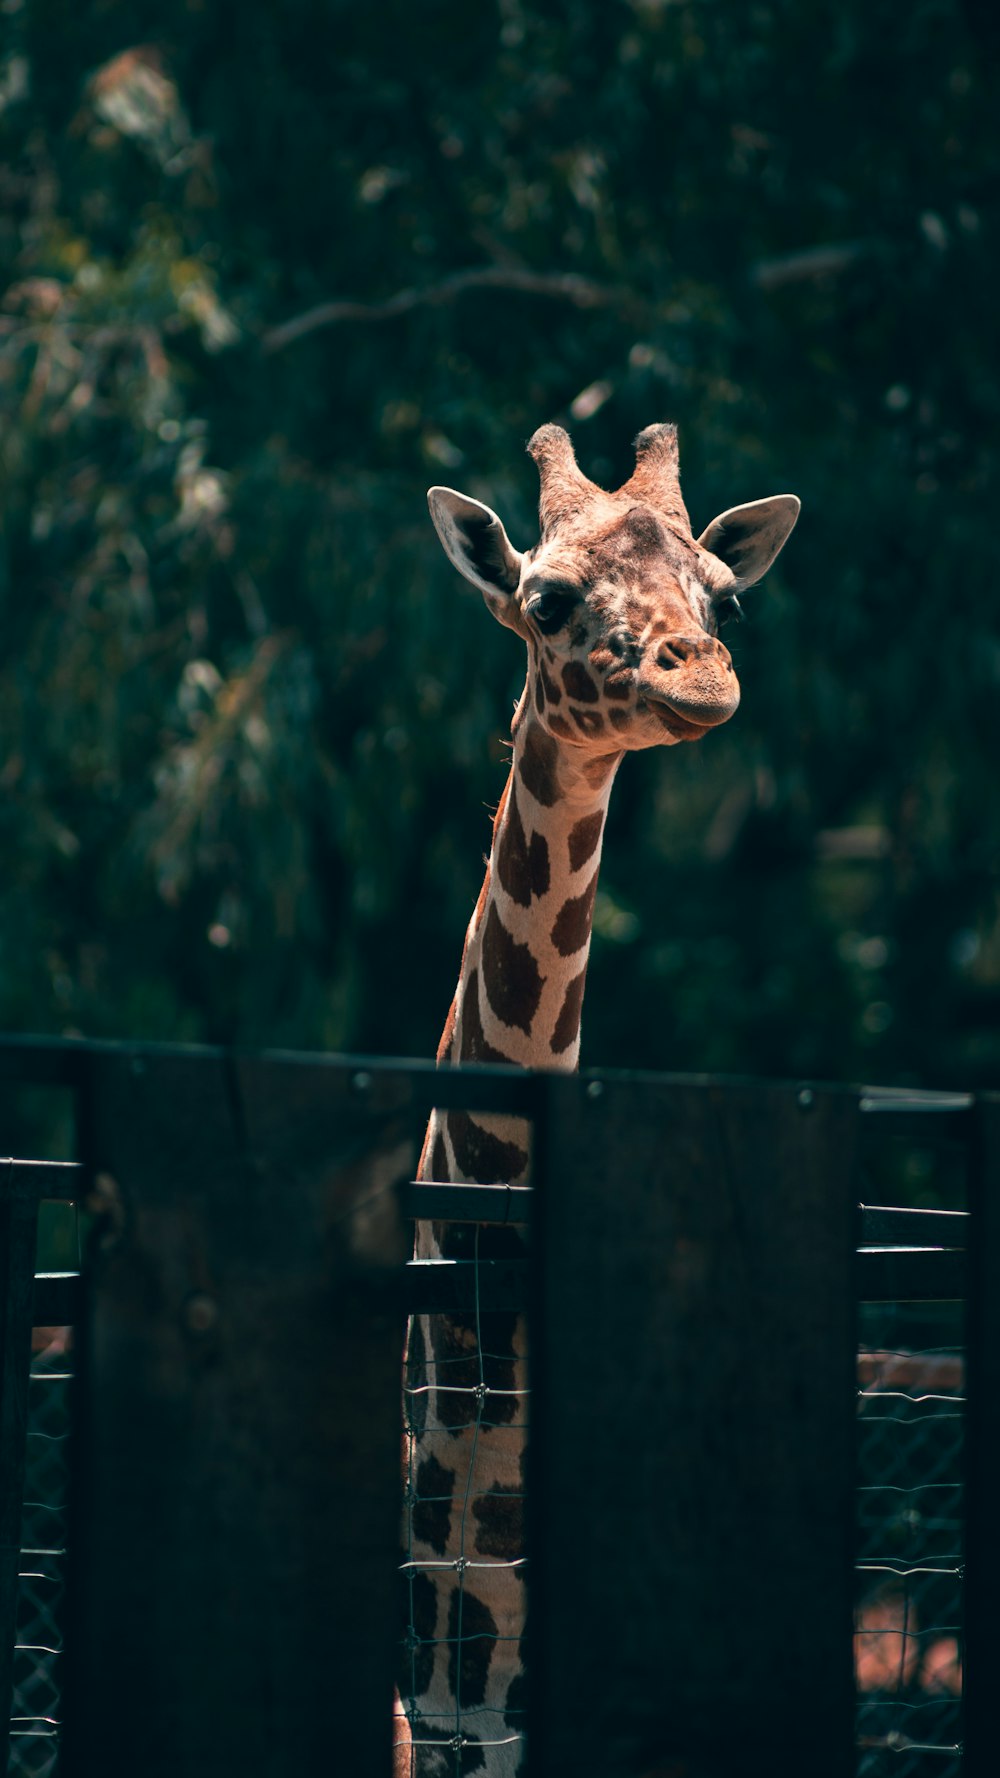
(725, 1499)
(37, 1661)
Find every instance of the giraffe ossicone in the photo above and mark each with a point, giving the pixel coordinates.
(620, 608)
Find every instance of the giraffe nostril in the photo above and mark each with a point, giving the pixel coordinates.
(666, 658)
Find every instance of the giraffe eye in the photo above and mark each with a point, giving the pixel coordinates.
(728, 611)
(551, 608)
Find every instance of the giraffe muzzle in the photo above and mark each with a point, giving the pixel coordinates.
(693, 677)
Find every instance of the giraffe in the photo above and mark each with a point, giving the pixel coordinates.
(619, 607)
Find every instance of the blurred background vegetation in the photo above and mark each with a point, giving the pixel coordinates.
(268, 271)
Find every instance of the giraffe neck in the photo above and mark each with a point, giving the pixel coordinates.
(518, 999)
(520, 990)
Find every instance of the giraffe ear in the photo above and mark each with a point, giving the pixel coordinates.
(476, 543)
(747, 538)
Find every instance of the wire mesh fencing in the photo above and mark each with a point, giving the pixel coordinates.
(465, 1401)
(38, 1648)
(740, 1381)
(910, 1498)
(908, 1637)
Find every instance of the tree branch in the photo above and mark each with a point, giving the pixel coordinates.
(810, 262)
(569, 287)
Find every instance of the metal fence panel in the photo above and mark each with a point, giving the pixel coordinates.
(36, 1708)
(18, 1220)
(237, 1465)
(982, 1546)
(691, 1574)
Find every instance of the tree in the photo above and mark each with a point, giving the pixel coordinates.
(268, 272)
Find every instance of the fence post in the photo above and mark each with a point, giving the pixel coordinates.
(233, 1601)
(981, 1654)
(694, 1386)
(18, 1222)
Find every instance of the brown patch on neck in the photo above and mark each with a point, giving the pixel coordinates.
(510, 975)
(513, 867)
(538, 864)
(573, 921)
(590, 722)
(578, 683)
(472, 1638)
(475, 1046)
(568, 1022)
(432, 1506)
(598, 771)
(499, 1517)
(552, 691)
(618, 684)
(539, 765)
(482, 1156)
(583, 839)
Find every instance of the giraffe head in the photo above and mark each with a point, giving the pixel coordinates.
(620, 605)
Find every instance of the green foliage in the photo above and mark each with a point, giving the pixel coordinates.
(249, 718)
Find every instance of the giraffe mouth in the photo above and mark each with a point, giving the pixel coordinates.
(682, 728)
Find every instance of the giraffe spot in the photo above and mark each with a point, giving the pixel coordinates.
(589, 721)
(439, 1158)
(602, 659)
(475, 1045)
(619, 719)
(618, 684)
(538, 765)
(512, 856)
(460, 1364)
(500, 1517)
(572, 927)
(431, 1514)
(516, 1703)
(552, 691)
(568, 1022)
(538, 865)
(539, 695)
(578, 683)
(560, 726)
(598, 771)
(418, 1668)
(472, 1634)
(444, 1048)
(510, 975)
(430, 1759)
(583, 838)
(481, 1155)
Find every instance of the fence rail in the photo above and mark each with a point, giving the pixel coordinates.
(698, 1251)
